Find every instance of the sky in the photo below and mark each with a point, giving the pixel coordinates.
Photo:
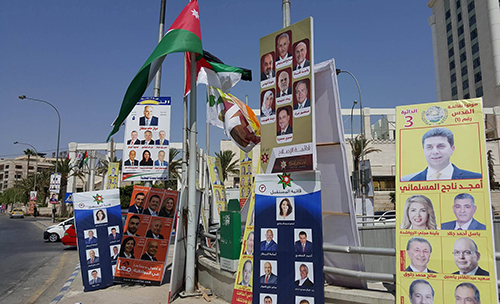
(81, 56)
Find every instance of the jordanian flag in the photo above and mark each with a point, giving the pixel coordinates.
(84, 160)
(183, 36)
(213, 72)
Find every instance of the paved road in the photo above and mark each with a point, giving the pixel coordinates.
(33, 271)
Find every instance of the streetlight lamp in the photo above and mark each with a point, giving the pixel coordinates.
(36, 162)
(58, 128)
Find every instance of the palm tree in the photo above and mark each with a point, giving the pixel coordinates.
(64, 167)
(174, 166)
(28, 152)
(358, 145)
(227, 163)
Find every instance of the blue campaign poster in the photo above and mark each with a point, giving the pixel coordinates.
(288, 260)
(99, 232)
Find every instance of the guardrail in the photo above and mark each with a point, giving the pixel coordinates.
(215, 242)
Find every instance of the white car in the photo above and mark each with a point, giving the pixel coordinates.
(387, 218)
(55, 233)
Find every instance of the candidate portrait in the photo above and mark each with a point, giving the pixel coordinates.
(464, 209)
(419, 213)
(162, 141)
(284, 84)
(148, 119)
(421, 292)
(133, 138)
(467, 256)
(267, 67)
(151, 250)
(303, 245)
(301, 95)
(301, 56)
(267, 108)
(303, 279)
(438, 146)
(131, 161)
(284, 121)
(268, 244)
(283, 46)
(419, 251)
(246, 274)
(268, 277)
(467, 293)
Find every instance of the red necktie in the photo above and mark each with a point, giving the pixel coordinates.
(303, 248)
(267, 277)
(92, 261)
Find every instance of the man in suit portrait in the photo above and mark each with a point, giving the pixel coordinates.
(137, 207)
(114, 236)
(419, 251)
(151, 250)
(133, 225)
(94, 279)
(148, 119)
(155, 229)
(464, 209)
(283, 46)
(420, 292)
(148, 138)
(467, 293)
(247, 274)
(161, 162)
(163, 141)
(439, 145)
(269, 244)
(304, 281)
(133, 140)
(300, 55)
(268, 277)
(91, 239)
(284, 84)
(268, 68)
(301, 92)
(131, 161)
(92, 258)
(153, 206)
(303, 245)
(466, 254)
(114, 255)
(268, 300)
(284, 121)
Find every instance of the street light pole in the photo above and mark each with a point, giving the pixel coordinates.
(58, 128)
(36, 162)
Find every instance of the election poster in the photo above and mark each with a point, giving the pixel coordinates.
(112, 176)
(288, 246)
(246, 176)
(287, 99)
(147, 140)
(32, 202)
(242, 292)
(55, 182)
(98, 226)
(146, 236)
(444, 230)
(218, 189)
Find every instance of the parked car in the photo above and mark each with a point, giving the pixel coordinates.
(16, 212)
(388, 217)
(69, 238)
(55, 233)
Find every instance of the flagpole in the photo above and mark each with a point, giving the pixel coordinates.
(156, 90)
(205, 169)
(191, 231)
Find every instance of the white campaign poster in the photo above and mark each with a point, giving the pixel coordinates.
(147, 140)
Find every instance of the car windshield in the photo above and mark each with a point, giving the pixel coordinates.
(18, 210)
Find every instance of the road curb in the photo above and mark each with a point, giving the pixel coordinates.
(66, 285)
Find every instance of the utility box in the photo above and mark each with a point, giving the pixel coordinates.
(230, 236)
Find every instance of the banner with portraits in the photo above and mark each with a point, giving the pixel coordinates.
(444, 229)
(146, 236)
(287, 99)
(218, 190)
(98, 225)
(147, 140)
(246, 176)
(112, 176)
(288, 246)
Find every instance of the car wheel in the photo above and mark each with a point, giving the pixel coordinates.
(53, 237)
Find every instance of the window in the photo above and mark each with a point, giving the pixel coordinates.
(463, 57)
(458, 4)
(452, 64)
(472, 20)
(450, 39)
(459, 17)
(465, 84)
(475, 48)
(473, 34)
(479, 92)
(447, 14)
(454, 91)
(450, 52)
(461, 43)
(466, 96)
(460, 30)
(470, 7)
(453, 77)
(478, 77)
(476, 62)
(448, 27)
(464, 70)
(6, 166)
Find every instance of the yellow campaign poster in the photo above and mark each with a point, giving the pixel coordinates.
(112, 177)
(218, 189)
(246, 177)
(444, 228)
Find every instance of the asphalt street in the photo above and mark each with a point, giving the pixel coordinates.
(33, 270)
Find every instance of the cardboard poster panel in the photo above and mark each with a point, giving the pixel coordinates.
(444, 235)
(146, 237)
(287, 99)
(218, 189)
(99, 232)
(112, 177)
(147, 140)
(288, 244)
(246, 176)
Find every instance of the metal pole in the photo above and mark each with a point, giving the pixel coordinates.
(286, 12)
(58, 127)
(205, 168)
(161, 30)
(191, 229)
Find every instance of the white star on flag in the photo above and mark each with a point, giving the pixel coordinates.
(195, 14)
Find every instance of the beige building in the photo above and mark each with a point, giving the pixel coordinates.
(17, 168)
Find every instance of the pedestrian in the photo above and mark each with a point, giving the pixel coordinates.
(35, 210)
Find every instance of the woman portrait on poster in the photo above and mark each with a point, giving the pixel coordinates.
(267, 109)
(100, 216)
(146, 159)
(168, 209)
(419, 214)
(286, 210)
(127, 248)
